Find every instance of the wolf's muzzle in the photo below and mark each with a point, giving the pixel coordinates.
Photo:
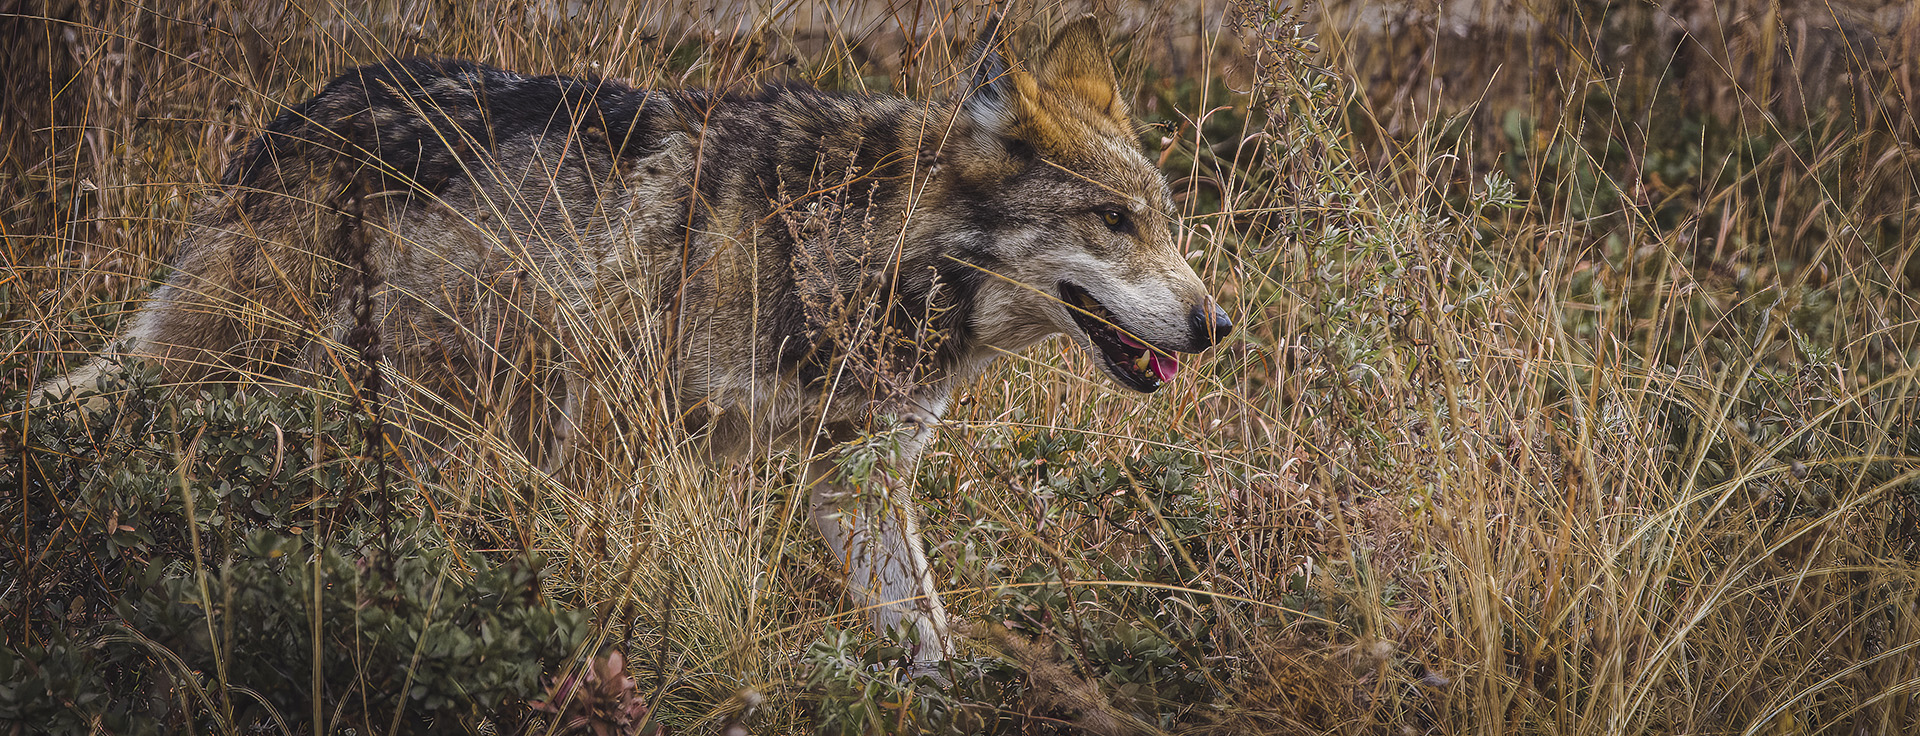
(1207, 325)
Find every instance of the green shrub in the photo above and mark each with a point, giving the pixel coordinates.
(130, 618)
(1099, 644)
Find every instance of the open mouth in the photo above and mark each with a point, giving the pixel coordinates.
(1133, 363)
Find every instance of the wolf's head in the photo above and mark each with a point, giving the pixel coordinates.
(1075, 223)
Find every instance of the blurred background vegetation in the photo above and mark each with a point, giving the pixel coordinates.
(1575, 395)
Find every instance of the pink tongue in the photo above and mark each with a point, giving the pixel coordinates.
(1163, 366)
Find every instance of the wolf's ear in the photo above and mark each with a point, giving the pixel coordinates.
(1076, 66)
(988, 96)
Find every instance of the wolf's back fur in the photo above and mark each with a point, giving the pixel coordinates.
(788, 264)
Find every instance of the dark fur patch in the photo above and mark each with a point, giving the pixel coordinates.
(422, 122)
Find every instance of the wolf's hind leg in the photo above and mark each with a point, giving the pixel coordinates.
(875, 538)
(200, 323)
(164, 329)
(87, 376)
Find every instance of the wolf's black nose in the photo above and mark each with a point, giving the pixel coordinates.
(1209, 324)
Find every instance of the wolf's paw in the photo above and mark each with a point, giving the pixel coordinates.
(916, 672)
(929, 672)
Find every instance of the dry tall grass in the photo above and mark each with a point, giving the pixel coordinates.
(1574, 392)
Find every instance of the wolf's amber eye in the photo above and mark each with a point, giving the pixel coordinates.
(1115, 219)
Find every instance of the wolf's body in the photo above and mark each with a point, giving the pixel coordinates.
(798, 265)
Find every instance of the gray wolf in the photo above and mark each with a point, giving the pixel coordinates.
(797, 268)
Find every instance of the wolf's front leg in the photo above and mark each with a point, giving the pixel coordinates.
(875, 538)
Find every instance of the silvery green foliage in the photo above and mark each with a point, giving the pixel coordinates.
(128, 614)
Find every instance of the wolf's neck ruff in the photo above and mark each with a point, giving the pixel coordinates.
(787, 266)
